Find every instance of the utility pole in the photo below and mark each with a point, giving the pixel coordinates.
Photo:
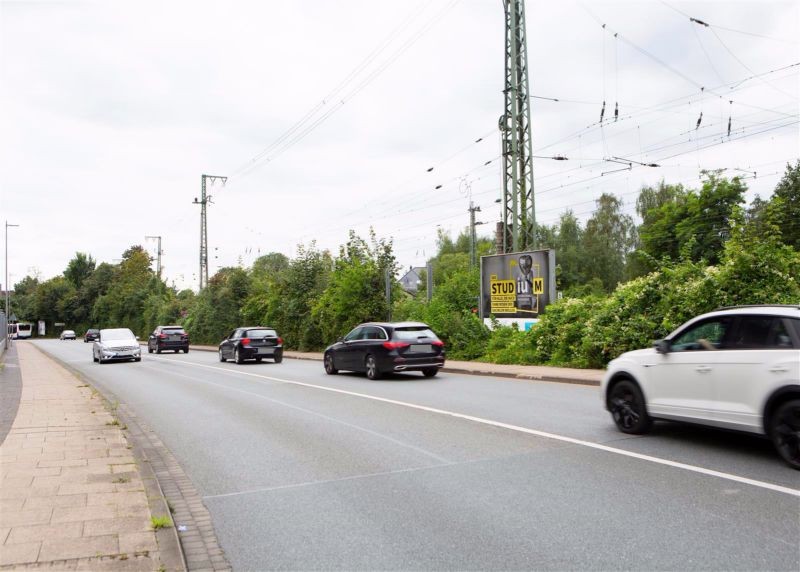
(204, 200)
(158, 259)
(7, 300)
(472, 237)
(519, 213)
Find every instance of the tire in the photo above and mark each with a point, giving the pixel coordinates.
(158, 350)
(186, 350)
(278, 357)
(237, 357)
(430, 371)
(329, 365)
(372, 368)
(628, 409)
(259, 359)
(149, 349)
(94, 358)
(222, 359)
(784, 430)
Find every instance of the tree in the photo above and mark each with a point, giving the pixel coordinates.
(570, 256)
(788, 191)
(609, 237)
(79, 269)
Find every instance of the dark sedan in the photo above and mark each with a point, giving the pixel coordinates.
(252, 343)
(91, 335)
(378, 348)
(168, 338)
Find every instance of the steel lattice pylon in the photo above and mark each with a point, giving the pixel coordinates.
(204, 200)
(519, 213)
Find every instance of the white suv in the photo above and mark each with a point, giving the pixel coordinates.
(737, 368)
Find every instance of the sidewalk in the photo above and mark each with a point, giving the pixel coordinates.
(74, 495)
(528, 372)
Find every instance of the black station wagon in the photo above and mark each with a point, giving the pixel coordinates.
(378, 348)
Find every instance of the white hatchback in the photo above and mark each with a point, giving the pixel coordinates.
(736, 368)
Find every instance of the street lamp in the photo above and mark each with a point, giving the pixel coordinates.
(6, 333)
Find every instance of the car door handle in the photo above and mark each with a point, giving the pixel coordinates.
(779, 369)
(702, 369)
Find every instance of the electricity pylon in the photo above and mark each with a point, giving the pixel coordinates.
(204, 200)
(519, 212)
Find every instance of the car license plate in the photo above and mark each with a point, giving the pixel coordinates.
(264, 350)
(421, 348)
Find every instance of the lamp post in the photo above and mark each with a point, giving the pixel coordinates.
(6, 333)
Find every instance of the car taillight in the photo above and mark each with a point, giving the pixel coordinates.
(439, 343)
(245, 341)
(280, 341)
(395, 345)
(162, 336)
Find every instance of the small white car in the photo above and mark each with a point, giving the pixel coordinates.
(735, 368)
(67, 335)
(116, 344)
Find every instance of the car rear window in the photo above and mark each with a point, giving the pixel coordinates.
(413, 333)
(261, 334)
(174, 331)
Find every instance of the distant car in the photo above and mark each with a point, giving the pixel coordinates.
(116, 344)
(378, 348)
(252, 343)
(90, 335)
(67, 335)
(168, 338)
(736, 368)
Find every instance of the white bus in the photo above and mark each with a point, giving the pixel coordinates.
(20, 331)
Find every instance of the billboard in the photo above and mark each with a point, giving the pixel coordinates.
(518, 285)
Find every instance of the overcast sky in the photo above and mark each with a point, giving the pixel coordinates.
(112, 110)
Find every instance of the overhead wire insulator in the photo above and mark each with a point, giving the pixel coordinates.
(602, 112)
(616, 111)
(699, 120)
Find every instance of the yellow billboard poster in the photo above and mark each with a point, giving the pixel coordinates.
(517, 285)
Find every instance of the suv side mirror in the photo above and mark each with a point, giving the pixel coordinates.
(662, 346)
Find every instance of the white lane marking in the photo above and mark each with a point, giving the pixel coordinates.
(430, 454)
(492, 423)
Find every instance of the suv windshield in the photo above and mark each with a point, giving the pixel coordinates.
(261, 334)
(413, 333)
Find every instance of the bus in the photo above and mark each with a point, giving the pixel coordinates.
(20, 331)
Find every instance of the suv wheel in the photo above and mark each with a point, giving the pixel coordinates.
(329, 367)
(237, 357)
(785, 432)
(626, 403)
(372, 368)
(278, 357)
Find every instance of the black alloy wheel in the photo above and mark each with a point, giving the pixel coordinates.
(430, 371)
(237, 357)
(329, 366)
(785, 432)
(221, 357)
(372, 368)
(626, 403)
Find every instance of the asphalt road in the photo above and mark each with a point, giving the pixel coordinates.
(301, 470)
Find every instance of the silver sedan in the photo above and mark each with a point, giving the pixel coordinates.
(116, 344)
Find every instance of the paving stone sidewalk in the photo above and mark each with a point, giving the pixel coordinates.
(72, 492)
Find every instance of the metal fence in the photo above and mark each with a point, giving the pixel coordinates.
(3, 332)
